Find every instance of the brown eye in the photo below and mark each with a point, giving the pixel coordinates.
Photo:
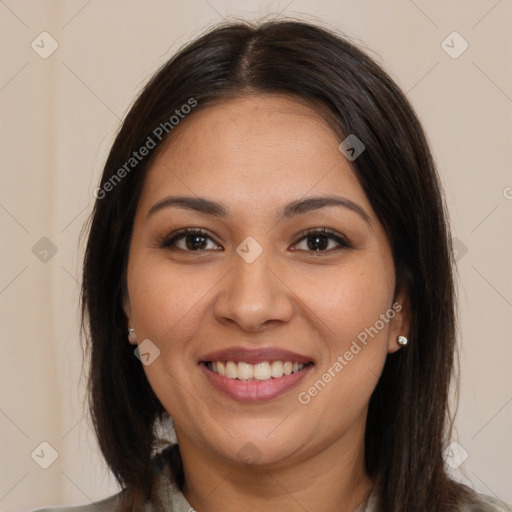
(318, 240)
(190, 240)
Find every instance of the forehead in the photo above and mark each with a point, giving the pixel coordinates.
(254, 150)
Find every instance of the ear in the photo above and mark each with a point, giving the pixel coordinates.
(401, 322)
(127, 308)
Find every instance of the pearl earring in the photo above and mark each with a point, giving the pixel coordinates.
(402, 341)
(132, 337)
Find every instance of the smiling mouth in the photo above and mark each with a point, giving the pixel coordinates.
(262, 371)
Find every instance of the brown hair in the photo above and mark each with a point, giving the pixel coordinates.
(408, 419)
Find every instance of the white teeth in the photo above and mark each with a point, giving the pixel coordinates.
(276, 369)
(245, 371)
(262, 371)
(231, 370)
(259, 371)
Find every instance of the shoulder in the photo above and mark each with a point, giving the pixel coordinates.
(170, 496)
(484, 503)
(105, 505)
(474, 502)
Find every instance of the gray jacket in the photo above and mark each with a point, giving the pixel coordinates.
(174, 501)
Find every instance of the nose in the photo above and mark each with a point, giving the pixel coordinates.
(253, 295)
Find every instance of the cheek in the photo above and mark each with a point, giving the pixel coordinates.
(353, 307)
(166, 303)
(356, 343)
(168, 308)
(348, 300)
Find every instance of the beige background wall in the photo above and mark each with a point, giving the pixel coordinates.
(58, 118)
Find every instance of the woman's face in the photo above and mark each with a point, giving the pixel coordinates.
(253, 292)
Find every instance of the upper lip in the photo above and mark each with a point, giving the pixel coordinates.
(254, 356)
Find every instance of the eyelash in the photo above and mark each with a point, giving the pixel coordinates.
(169, 242)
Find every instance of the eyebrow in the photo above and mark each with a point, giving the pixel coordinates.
(298, 207)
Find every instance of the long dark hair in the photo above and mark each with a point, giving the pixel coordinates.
(408, 420)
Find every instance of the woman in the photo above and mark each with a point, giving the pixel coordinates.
(269, 264)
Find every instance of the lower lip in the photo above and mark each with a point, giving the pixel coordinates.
(255, 390)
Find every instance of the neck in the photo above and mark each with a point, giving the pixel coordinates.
(330, 480)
